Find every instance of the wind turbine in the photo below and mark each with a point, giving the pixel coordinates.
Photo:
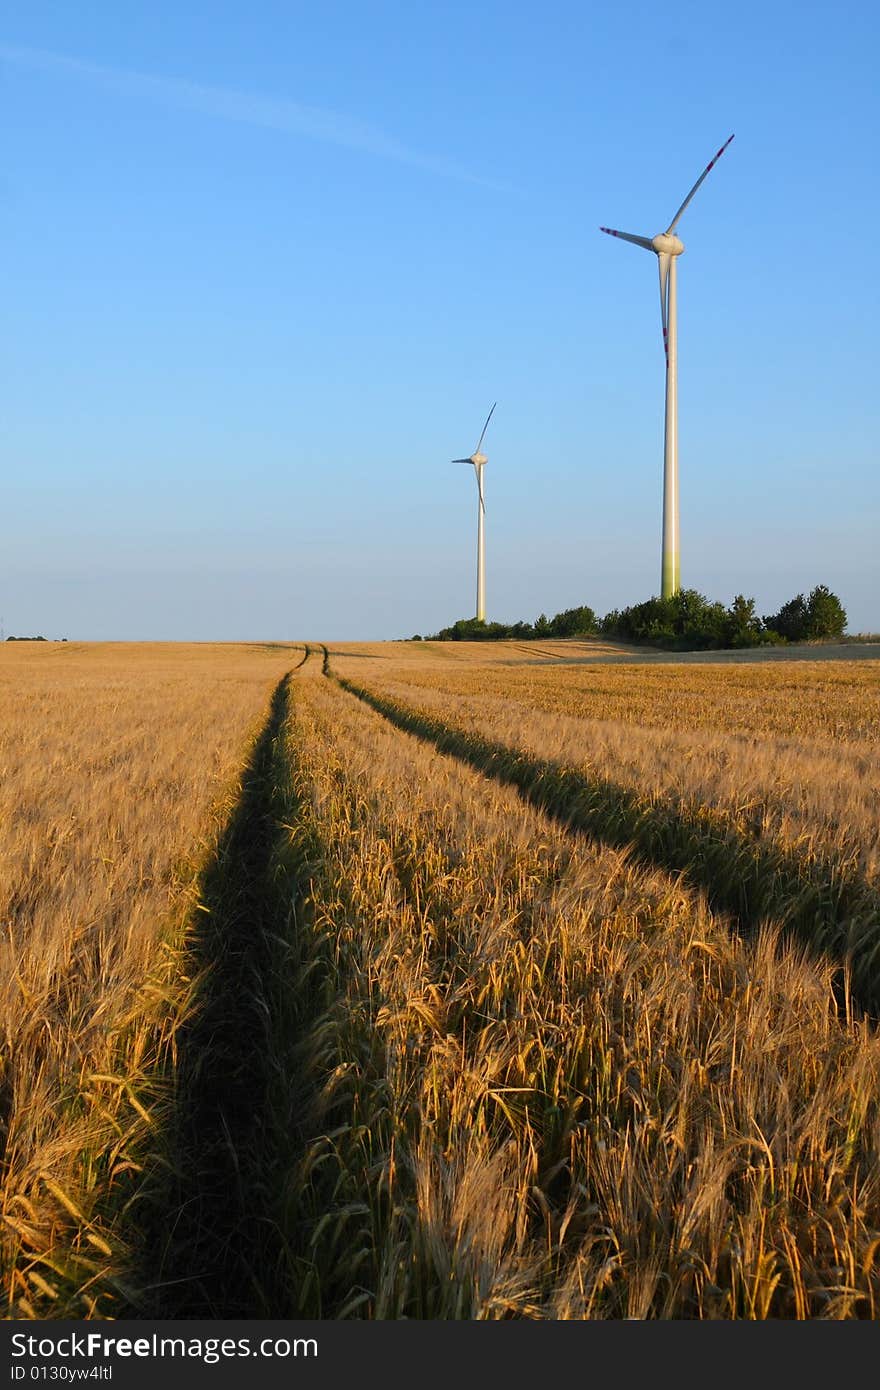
(668, 248)
(479, 461)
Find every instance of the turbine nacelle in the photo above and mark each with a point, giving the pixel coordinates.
(667, 244)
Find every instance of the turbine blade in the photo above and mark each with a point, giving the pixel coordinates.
(485, 427)
(479, 473)
(461, 460)
(628, 236)
(709, 166)
(663, 262)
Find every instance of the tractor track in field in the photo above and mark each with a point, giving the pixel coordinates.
(532, 650)
(749, 881)
(214, 1241)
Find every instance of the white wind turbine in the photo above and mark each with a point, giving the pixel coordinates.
(479, 461)
(668, 248)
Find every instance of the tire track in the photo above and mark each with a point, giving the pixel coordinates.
(833, 913)
(213, 1238)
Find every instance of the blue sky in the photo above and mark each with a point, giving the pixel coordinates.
(268, 266)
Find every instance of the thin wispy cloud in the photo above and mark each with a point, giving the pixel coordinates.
(244, 108)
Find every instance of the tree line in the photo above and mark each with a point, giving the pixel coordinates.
(688, 621)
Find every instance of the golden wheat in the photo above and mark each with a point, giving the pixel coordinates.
(556, 1085)
(789, 696)
(791, 788)
(513, 1070)
(117, 765)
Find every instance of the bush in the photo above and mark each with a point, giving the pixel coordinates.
(791, 620)
(743, 627)
(688, 621)
(573, 622)
(804, 619)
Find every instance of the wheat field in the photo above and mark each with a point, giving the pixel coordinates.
(428, 980)
(117, 766)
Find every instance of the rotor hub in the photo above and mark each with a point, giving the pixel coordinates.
(667, 244)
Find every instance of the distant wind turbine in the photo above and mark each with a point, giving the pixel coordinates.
(667, 248)
(479, 461)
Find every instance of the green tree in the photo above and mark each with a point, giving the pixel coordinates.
(826, 616)
(696, 620)
(742, 624)
(574, 621)
(791, 622)
(688, 621)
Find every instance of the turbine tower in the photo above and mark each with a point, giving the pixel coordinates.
(668, 248)
(479, 461)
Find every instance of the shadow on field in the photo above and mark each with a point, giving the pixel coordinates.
(212, 1242)
(357, 656)
(829, 910)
